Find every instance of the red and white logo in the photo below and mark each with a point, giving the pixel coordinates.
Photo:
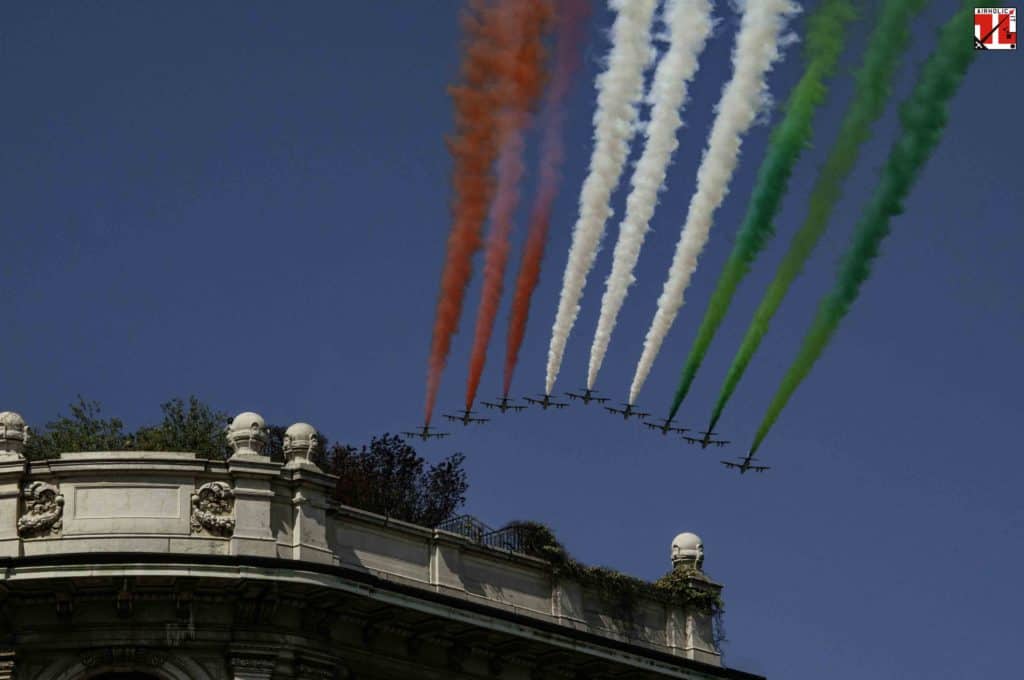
(995, 28)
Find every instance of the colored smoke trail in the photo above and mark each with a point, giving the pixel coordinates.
(521, 81)
(882, 57)
(922, 118)
(826, 32)
(473, 150)
(688, 23)
(570, 21)
(620, 88)
(757, 48)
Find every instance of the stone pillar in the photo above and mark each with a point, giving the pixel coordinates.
(13, 436)
(311, 488)
(691, 631)
(252, 474)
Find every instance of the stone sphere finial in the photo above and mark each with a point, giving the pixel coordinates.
(687, 551)
(300, 440)
(14, 433)
(247, 434)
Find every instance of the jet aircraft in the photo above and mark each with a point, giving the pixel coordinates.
(466, 418)
(545, 402)
(706, 440)
(627, 411)
(424, 433)
(666, 426)
(587, 396)
(504, 404)
(745, 465)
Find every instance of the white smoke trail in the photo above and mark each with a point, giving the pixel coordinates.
(620, 88)
(688, 23)
(758, 46)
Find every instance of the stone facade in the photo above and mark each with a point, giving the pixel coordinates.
(168, 566)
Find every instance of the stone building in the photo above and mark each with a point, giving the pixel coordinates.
(163, 565)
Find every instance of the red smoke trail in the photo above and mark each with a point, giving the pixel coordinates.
(473, 150)
(521, 78)
(572, 16)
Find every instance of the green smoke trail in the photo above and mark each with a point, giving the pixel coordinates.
(922, 118)
(882, 57)
(824, 44)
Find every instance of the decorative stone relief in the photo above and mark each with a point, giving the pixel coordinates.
(43, 510)
(115, 655)
(212, 507)
(310, 670)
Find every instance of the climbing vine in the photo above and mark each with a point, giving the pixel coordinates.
(686, 587)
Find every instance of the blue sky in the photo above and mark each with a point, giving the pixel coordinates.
(249, 202)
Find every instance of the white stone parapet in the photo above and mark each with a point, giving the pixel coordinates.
(180, 505)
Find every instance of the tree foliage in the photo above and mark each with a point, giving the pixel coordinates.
(388, 477)
(83, 430)
(195, 427)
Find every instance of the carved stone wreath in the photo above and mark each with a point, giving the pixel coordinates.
(212, 507)
(43, 511)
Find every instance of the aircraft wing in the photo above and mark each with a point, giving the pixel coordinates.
(692, 440)
(734, 466)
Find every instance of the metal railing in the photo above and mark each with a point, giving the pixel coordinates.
(506, 538)
(468, 526)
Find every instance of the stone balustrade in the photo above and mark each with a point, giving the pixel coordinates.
(185, 507)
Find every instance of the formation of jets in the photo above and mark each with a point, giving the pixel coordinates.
(504, 404)
(744, 465)
(627, 411)
(706, 440)
(665, 427)
(466, 418)
(545, 402)
(587, 396)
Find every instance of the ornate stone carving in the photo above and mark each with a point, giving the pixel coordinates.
(14, 434)
(247, 434)
(212, 507)
(310, 670)
(107, 656)
(43, 510)
(300, 441)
